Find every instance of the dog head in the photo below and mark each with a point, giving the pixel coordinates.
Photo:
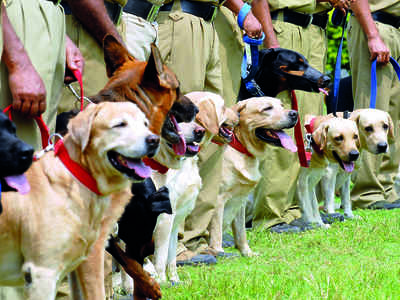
(291, 69)
(110, 140)
(261, 122)
(151, 85)
(16, 157)
(376, 129)
(217, 119)
(339, 141)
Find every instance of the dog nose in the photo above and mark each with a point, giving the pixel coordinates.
(25, 153)
(152, 142)
(293, 114)
(199, 133)
(324, 81)
(353, 155)
(382, 147)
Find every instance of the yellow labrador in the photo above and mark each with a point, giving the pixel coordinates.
(376, 131)
(47, 233)
(335, 140)
(261, 124)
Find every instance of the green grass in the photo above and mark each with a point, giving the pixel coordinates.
(357, 259)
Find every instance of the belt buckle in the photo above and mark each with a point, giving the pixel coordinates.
(214, 14)
(309, 21)
(151, 17)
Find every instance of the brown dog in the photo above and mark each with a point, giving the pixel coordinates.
(47, 233)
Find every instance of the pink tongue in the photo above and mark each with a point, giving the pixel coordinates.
(140, 168)
(324, 91)
(226, 131)
(193, 148)
(286, 141)
(19, 183)
(179, 148)
(348, 167)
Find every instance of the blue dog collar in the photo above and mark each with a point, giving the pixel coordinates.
(244, 11)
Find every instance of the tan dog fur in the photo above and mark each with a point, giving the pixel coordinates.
(241, 172)
(49, 232)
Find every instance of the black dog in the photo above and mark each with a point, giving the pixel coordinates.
(282, 69)
(16, 156)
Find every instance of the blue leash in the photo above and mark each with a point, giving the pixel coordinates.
(374, 82)
(338, 67)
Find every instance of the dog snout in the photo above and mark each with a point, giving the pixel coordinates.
(353, 155)
(25, 153)
(152, 142)
(199, 133)
(293, 115)
(382, 147)
(324, 81)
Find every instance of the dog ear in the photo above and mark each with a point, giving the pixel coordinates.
(207, 116)
(115, 54)
(355, 116)
(391, 128)
(320, 135)
(238, 107)
(156, 71)
(80, 126)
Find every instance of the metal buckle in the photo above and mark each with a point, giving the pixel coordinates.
(214, 13)
(151, 17)
(308, 147)
(309, 21)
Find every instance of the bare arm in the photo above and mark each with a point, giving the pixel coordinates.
(26, 86)
(260, 9)
(93, 15)
(376, 46)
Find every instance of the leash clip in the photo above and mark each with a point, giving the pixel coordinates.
(308, 147)
(78, 98)
(50, 147)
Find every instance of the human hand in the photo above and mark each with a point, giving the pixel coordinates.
(73, 60)
(251, 26)
(341, 5)
(379, 50)
(27, 90)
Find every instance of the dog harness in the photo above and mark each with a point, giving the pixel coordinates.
(155, 165)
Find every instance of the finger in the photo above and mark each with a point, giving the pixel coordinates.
(34, 111)
(16, 104)
(42, 106)
(26, 107)
(373, 56)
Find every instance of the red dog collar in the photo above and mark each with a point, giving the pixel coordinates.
(76, 170)
(155, 165)
(237, 145)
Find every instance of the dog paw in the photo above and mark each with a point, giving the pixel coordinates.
(324, 226)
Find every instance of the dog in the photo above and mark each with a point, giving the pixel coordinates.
(261, 123)
(16, 158)
(376, 131)
(334, 140)
(49, 232)
(184, 181)
(282, 69)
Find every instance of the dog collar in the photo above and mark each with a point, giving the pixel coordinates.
(76, 170)
(155, 165)
(237, 145)
(310, 129)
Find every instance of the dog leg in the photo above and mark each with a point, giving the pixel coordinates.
(303, 189)
(216, 225)
(171, 264)
(40, 282)
(239, 232)
(162, 238)
(328, 184)
(346, 202)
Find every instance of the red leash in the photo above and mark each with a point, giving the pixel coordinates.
(78, 76)
(301, 152)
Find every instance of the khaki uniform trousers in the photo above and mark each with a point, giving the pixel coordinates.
(189, 46)
(231, 52)
(374, 179)
(40, 26)
(275, 196)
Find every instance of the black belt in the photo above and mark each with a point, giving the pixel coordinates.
(300, 19)
(386, 18)
(143, 9)
(204, 10)
(114, 10)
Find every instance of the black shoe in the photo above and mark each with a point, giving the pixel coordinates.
(285, 228)
(227, 240)
(304, 226)
(384, 205)
(199, 259)
(331, 218)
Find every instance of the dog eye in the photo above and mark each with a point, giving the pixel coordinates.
(369, 129)
(339, 138)
(355, 137)
(267, 108)
(120, 124)
(385, 126)
(146, 123)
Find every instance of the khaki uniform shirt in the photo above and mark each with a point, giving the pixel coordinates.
(388, 6)
(306, 6)
(215, 2)
(120, 2)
